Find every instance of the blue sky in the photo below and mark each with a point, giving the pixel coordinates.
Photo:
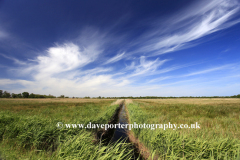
(120, 48)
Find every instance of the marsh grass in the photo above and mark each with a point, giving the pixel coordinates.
(218, 137)
(28, 130)
(80, 147)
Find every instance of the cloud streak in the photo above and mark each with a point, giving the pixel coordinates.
(13, 59)
(146, 66)
(215, 16)
(115, 58)
(200, 72)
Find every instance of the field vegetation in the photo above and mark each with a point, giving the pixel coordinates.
(28, 129)
(217, 138)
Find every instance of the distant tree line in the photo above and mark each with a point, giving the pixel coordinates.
(6, 94)
(156, 97)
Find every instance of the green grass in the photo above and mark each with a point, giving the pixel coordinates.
(218, 137)
(28, 130)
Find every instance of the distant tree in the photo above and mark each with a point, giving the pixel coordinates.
(6, 94)
(1, 93)
(39, 96)
(14, 95)
(42, 96)
(19, 95)
(99, 97)
(25, 94)
(236, 96)
(31, 95)
(62, 96)
(50, 96)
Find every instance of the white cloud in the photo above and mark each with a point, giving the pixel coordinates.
(123, 83)
(13, 59)
(107, 85)
(145, 67)
(4, 82)
(60, 71)
(208, 70)
(3, 35)
(188, 26)
(130, 67)
(159, 79)
(64, 58)
(115, 58)
(202, 7)
(201, 72)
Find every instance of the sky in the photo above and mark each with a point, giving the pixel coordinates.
(114, 48)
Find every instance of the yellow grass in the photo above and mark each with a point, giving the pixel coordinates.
(47, 100)
(21, 104)
(190, 110)
(127, 101)
(117, 102)
(193, 100)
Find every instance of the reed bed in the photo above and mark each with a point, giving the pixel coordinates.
(218, 137)
(28, 130)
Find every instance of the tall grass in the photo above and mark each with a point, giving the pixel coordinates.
(81, 147)
(28, 130)
(219, 140)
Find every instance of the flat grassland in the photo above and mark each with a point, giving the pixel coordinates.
(217, 138)
(28, 129)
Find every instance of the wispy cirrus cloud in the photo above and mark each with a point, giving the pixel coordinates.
(190, 25)
(115, 58)
(159, 79)
(209, 70)
(223, 68)
(3, 34)
(13, 59)
(6, 82)
(146, 66)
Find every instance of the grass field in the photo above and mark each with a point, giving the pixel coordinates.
(28, 129)
(217, 138)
